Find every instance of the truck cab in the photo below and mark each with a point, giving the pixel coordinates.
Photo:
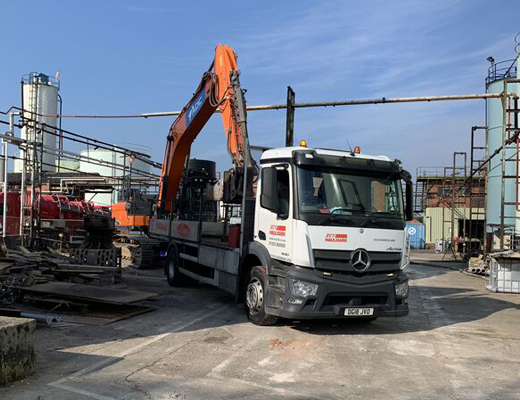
(330, 232)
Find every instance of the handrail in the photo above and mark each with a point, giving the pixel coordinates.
(501, 70)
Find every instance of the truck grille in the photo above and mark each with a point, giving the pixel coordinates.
(339, 261)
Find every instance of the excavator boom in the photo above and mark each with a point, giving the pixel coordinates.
(219, 89)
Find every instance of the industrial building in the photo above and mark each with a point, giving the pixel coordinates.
(449, 205)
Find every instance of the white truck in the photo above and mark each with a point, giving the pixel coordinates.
(322, 232)
(328, 241)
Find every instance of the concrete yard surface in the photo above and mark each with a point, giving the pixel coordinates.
(459, 342)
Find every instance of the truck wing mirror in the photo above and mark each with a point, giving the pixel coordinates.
(269, 195)
(407, 178)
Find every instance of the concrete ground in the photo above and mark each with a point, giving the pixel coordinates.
(431, 258)
(459, 342)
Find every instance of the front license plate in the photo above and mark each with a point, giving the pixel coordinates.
(359, 312)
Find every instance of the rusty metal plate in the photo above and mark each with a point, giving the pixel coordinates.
(97, 294)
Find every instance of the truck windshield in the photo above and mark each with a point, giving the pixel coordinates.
(327, 191)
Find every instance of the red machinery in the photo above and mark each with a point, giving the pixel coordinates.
(56, 212)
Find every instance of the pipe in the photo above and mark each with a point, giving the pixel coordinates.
(382, 100)
(96, 161)
(60, 143)
(5, 143)
(79, 180)
(23, 195)
(46, 319)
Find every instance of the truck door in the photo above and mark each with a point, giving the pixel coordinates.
(275, 213)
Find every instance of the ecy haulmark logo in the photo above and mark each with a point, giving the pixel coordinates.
(277, 230)
(183, 230)
(162, 226)
(336, 237)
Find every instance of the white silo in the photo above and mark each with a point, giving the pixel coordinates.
(108, 163)
(40, 97)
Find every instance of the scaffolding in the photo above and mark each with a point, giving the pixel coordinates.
(477, 194)
(460, 196)
(454, 199)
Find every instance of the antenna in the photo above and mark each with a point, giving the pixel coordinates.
(350, 147)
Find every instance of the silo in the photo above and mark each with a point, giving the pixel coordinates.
(498, 73)
(40, 97)
(108, 163)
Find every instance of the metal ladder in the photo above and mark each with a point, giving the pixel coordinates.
(29, 164)
(477, 194)
(510, 144)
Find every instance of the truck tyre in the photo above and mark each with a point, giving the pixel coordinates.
(175, 278)
(255, 298)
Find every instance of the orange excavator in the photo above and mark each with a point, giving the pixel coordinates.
(218, 91)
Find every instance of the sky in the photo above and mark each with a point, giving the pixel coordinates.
(129, 57)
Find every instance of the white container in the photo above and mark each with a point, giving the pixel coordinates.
(504, 273)
(112, 164)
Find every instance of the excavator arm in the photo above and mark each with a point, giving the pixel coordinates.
(218, 90)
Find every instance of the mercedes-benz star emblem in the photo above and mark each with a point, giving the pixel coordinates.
(360, 260)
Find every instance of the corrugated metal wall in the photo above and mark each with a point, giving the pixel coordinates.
(433, 222)
(415, 231)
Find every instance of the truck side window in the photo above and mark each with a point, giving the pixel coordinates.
(275, 190)
(283, 191)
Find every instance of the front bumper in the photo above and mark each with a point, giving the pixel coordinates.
(335, 294)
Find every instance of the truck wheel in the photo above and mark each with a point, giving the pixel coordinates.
(255, 299)
(175, 278)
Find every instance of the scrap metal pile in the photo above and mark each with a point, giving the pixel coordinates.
(22, 267)
(82, 287)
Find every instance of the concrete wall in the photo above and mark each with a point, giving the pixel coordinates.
(17, 356)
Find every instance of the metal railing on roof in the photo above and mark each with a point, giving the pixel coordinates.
(36, 77)
(501, 70)
(438, 172)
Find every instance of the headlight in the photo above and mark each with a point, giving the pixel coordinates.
(301, 288)
(401, 289)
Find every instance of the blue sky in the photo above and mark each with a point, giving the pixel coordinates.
(126, 57)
